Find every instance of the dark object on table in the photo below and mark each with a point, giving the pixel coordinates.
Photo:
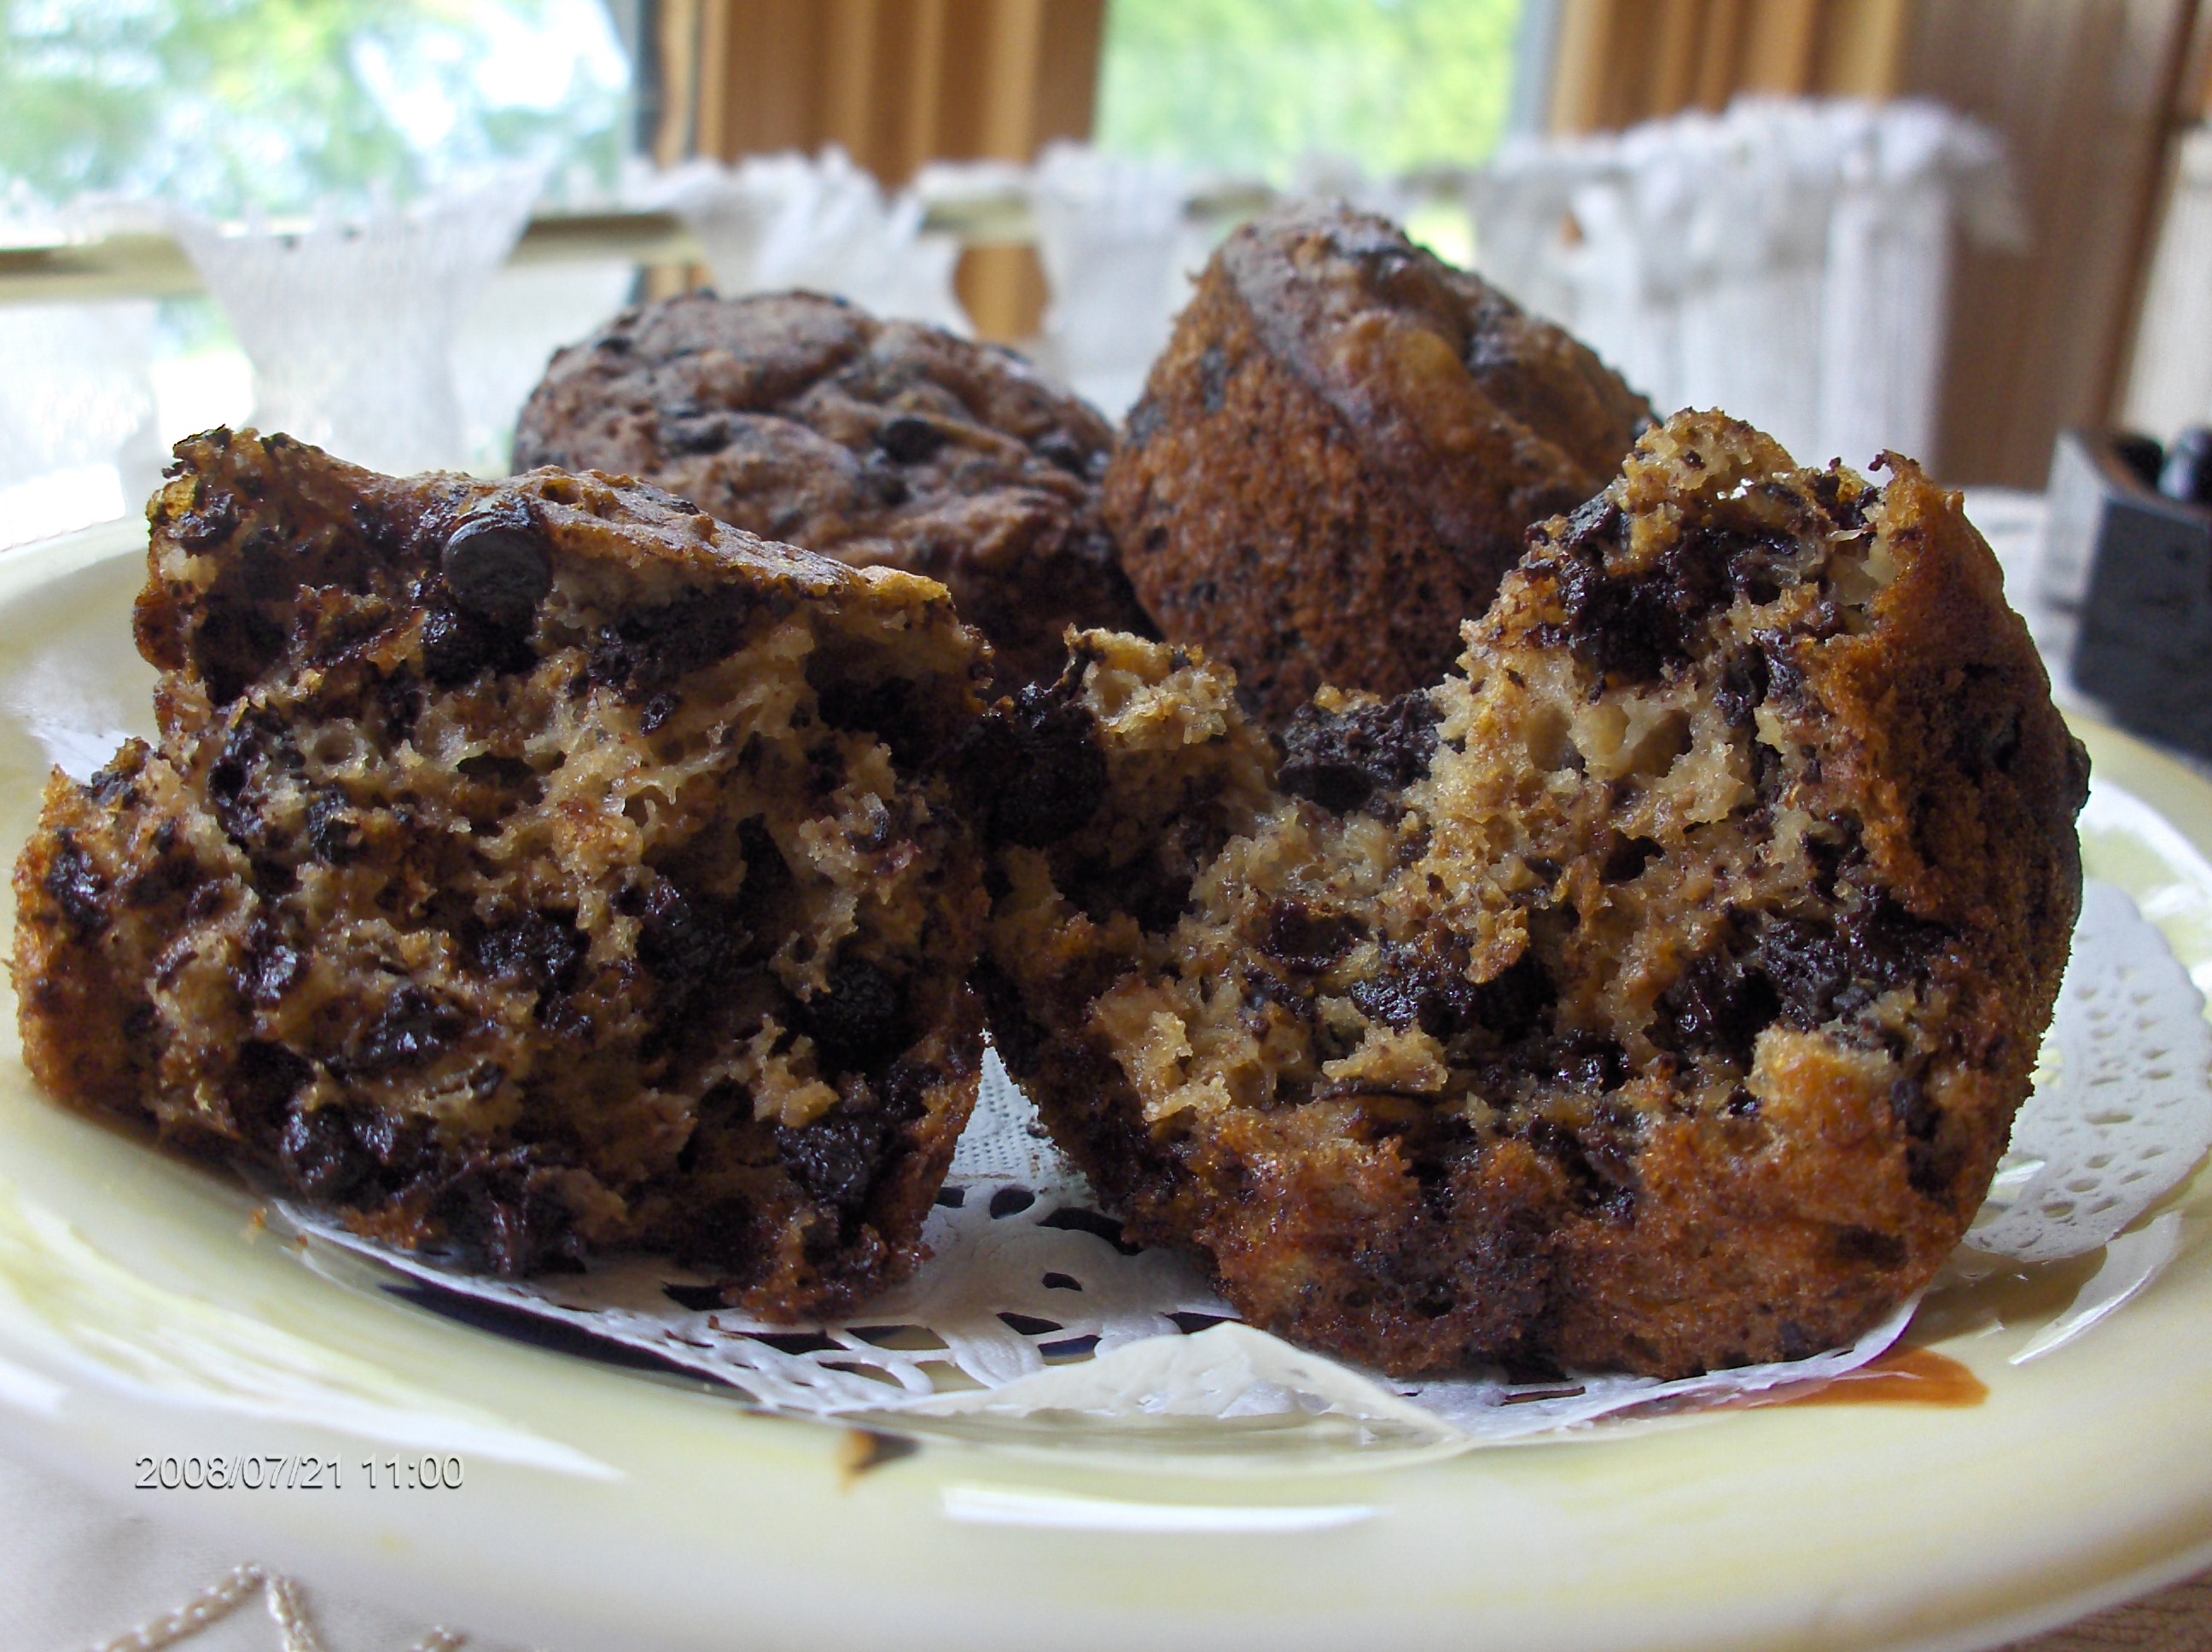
(2140, 565)
(2186, 473)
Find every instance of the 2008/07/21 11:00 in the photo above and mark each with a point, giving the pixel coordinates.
(255, 1473)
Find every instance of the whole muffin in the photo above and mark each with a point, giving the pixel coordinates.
(1655, 994)
(1340, 453)
(805, 419)
(525, 869)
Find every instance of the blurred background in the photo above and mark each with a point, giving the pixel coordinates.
(1954, 226)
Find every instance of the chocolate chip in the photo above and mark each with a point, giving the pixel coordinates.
(319, 1155)
(411, 1029)
(1032, 769)
(836, 1158)
(1341, 759)
(910, 441)
(1307, 938)
(76, 887)
(457, 646)
(276, 968)
(1587, 1062)
(503, 1215)
(1865, 1245)
(496, 566)
(881, 479)
(543, 950)
(860, 1019)
(695, 433)
(652, 649)
(263, 1079)
(682, 938)
(1144, 421)
(333, 828)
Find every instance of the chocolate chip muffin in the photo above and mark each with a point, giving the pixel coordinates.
(1338, 455)
(805, 419)
(1653, 994)
(525, 869)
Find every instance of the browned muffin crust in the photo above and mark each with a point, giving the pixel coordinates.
(806, 420)
(1655, 995)
(1337, 457)
(525, 869)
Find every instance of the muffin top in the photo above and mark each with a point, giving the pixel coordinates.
(805, 419)
(1433, 369)
(1340, 452)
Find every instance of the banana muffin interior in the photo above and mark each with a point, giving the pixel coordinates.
(1653, 994)
(525, 869)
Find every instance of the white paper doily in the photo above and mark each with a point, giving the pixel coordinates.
(1031, 1304)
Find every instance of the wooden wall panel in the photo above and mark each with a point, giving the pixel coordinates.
(2085, 93)
(2082, 91)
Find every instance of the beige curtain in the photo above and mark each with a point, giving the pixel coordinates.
(1623, 61)
(2089, 95)
(898, 83)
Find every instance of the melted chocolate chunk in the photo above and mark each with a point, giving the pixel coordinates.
(458, 645)
(234, 645)
(836, 1158)
(1720, 1003)
(1032, 769)
(1307, 938)
(543, 950)
(76, 887)
(503, 1213)
(1341, 760)
(411, 1029)
(652, 649)
(263, 1079)
(1418, 986)
(859, 1020)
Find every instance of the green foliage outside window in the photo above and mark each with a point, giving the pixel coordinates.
(1249, 86)
(233, 105)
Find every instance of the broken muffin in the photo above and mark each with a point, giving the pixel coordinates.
(525, 869)
(1654, 995)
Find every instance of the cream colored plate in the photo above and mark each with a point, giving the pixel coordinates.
(143, 1314)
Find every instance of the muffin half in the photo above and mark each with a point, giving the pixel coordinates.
(525, 869)
(1656, 994)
